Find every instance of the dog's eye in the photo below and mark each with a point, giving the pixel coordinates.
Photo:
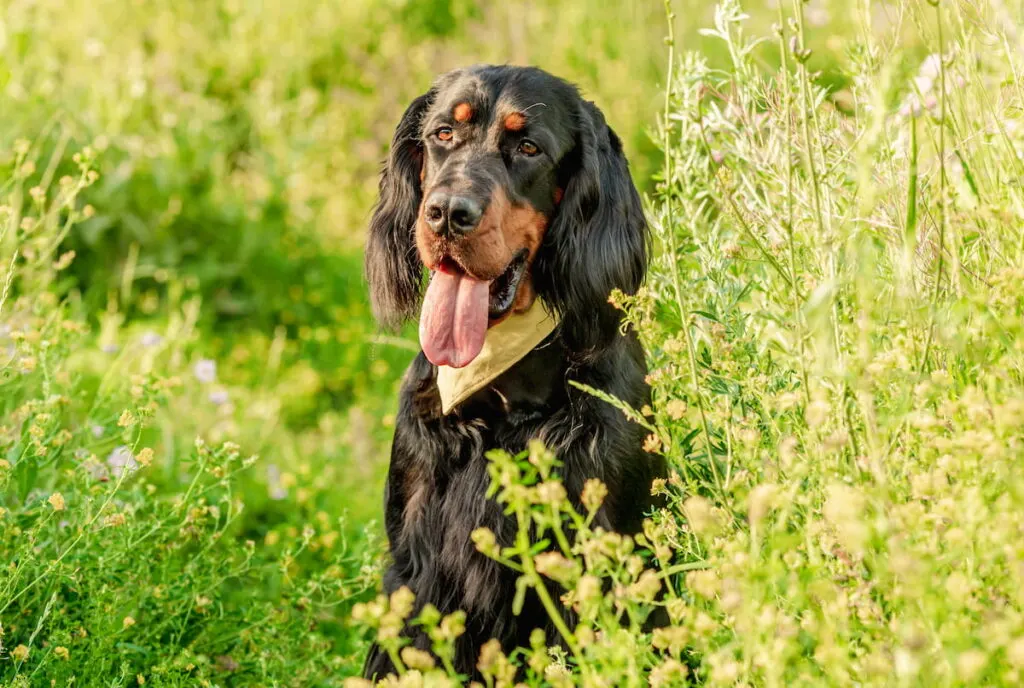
(444, 134)
(528, 148)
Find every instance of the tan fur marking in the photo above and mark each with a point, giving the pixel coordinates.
(463, 112)
(515, 122)
(430, 248)
(525, 227)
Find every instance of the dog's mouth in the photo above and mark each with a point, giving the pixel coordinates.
(505, 288)
(458, 309)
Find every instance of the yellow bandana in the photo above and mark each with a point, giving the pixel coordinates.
(506, 344)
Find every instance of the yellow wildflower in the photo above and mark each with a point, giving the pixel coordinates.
(145, 456)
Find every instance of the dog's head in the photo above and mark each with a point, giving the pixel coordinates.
(506, 186)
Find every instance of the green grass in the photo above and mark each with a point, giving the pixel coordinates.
(833, 323)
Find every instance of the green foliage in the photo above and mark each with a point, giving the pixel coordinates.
(195, 405)
(131, 556)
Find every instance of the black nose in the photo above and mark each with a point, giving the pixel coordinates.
(454, 214)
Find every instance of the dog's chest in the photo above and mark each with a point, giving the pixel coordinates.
(440, 472)
(444, 503)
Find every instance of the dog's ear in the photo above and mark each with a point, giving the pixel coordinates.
(597, 240)
(393, 269)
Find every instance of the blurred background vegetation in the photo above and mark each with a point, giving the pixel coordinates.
(239, 142)
(237, 145)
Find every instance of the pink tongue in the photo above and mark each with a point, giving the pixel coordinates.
(453, 321)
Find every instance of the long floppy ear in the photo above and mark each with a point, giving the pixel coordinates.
(597, 241)
(393, 270)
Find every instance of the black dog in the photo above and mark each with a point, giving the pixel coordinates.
(508, 187)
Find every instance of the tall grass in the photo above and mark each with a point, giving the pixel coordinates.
(833, 325)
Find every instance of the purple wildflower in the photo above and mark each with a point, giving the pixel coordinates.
(205, 370)
(276, 490)
(219, 397)
(122, 460)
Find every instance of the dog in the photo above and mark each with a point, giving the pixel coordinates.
(514, 194)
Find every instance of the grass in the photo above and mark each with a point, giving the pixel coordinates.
(195, 405)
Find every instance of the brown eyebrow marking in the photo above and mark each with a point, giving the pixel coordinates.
(515, 121)
(463, 112)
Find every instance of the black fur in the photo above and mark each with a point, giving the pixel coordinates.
(391, 263)
(435, 495)
(597, 241)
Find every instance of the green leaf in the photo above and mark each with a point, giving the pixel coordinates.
(25, 473)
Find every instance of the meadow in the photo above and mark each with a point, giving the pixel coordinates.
(195, 404)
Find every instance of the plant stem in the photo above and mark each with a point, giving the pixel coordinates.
(673, 249)
(824, 226)
(537, 581)
(940, 257)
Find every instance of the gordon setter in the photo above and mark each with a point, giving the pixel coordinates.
(515, 195)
